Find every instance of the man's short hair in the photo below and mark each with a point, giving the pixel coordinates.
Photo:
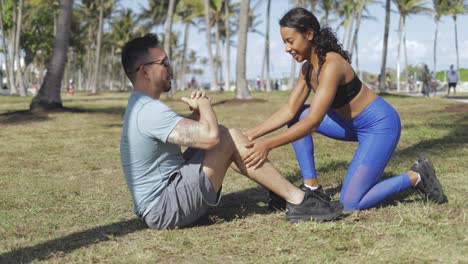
(134, 52)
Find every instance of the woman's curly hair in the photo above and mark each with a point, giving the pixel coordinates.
(324, 38)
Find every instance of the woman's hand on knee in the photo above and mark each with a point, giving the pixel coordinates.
(257, 153)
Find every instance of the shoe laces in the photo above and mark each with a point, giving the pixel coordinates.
(320, 192)
(320, 197)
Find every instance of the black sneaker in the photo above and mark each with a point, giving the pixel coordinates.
(320, 192)
(276, 203)
(313, 207)
(429, 186)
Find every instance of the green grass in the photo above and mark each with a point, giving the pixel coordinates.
(63, 197)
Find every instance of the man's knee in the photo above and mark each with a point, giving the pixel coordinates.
(224, 136)
(238, 136)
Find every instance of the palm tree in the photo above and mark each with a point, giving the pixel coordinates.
(382, 86)
(406, 8)
(266, 60)
(48, 97)
(19, 74)
(354, 44)
(95, 78)
(456, 7)
(6, 53)
(327, 6)
(122, 30)
(227, 67)
(214, 82)
(440, 9)
(168, 29)
(186, 12)
(242, 91)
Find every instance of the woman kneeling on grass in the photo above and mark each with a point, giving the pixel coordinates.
(343, 108)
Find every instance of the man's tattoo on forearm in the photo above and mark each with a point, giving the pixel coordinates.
(184, 133)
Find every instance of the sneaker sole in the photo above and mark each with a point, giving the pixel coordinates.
(318, 218)
(429, 168)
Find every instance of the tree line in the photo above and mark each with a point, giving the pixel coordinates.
(58, 43)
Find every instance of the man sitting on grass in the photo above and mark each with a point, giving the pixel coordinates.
(171, 189)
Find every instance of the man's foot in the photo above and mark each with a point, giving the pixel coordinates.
(429, 185)
(313, 207)
(277, 203)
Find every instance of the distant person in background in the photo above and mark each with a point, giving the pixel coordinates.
(193, 83)
(71, 87)
(425, 78)
(452, 76)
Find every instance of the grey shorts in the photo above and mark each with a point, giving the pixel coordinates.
(188, 195)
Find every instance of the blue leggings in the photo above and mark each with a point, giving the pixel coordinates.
(377, 131)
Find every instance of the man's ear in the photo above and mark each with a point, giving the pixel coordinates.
(309, 35)
(144, 71)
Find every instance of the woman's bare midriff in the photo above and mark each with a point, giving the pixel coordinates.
(358, 104)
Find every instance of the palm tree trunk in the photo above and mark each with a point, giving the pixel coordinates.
(97, 61)
(242, 90)
(183, 66)
(435, 44)
(214, 85)
(382, 86)
(49, 97)
(292, 75)
(12, 45)
(168, 30)
(218, 51)
(111, 68)
(19, 74)
(357, 60)
(358, 25)
(313, 6)
(227, 67)
(400, 31)
(405, 54)
(266, 61)
(456, 43)
(6, 54)
(80, 80)
(325, 17)
(349, 34)
(167, 40)
(89, 66)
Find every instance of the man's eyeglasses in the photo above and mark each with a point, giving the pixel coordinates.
(165, 62)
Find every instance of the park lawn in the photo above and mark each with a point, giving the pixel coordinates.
(64, 199)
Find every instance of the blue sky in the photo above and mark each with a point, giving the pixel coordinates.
(420, 40)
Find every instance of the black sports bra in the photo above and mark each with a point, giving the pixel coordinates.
(344, 94)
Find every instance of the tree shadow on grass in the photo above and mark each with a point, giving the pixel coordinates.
(237, 205)
(457, 138)
(21, 117)
(72, 242)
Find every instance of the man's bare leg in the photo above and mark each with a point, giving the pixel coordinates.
(229, 150)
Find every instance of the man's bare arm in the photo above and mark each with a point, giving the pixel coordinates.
(202, 134)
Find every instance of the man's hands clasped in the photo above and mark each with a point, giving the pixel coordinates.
(193, 101)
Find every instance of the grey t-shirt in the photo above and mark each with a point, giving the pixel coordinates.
(148, 160)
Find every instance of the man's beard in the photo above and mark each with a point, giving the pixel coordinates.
(165, 85)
